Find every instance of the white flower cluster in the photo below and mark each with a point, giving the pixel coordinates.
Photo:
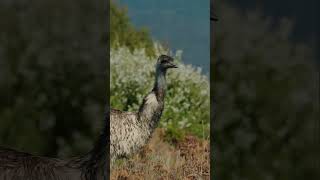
(187, 103)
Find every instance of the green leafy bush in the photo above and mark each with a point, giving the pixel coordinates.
(187, 101)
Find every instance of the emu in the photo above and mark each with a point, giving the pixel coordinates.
(129, 131)
(15, 165)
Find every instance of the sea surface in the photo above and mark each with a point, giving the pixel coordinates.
(182, 24)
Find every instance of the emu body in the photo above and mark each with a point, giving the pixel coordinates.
(129, 131)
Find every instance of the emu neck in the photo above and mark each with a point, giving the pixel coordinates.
(160, 84)
(151, 109)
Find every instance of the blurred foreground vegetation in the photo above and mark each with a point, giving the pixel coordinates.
(52, 75)
(266, 94)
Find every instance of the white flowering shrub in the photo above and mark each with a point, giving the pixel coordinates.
(187, 100)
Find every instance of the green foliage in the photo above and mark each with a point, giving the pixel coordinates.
(266, 93)
(186, 105)
(123, 33)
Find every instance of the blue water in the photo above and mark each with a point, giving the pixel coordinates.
(182, 24)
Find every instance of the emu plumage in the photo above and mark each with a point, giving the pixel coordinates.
(129, 131)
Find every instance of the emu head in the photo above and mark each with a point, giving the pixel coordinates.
(165, 62)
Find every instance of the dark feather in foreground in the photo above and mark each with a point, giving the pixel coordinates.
(15, 165)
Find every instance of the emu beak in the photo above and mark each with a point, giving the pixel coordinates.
(173, 65)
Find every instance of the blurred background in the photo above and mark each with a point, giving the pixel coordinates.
(265, 90)
(53, 79)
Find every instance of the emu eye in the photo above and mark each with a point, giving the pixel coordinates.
(165, 61)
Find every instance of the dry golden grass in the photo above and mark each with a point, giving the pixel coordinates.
(186, 160)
